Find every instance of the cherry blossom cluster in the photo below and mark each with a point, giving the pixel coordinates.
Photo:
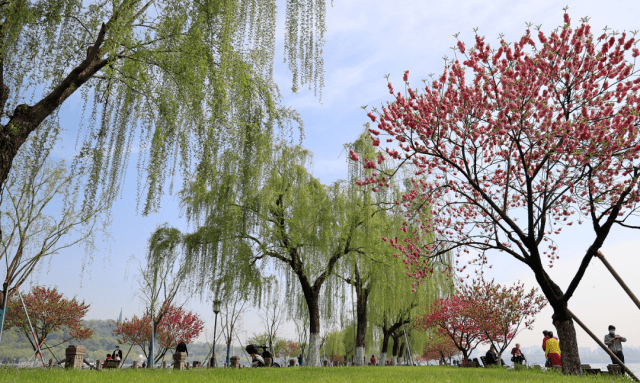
(509, 145)
(483, 312)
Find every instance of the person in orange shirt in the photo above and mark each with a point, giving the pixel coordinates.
(552, 350)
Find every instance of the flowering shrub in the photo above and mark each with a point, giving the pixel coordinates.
(49, 312)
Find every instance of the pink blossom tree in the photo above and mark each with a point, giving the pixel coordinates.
(454, 317)
(511, 144)
(505, 310)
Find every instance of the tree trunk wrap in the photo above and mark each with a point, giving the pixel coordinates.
(568, 346)
(313, 356)
(383, 359)
(360, 356)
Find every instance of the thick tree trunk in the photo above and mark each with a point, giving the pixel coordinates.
(360, 356)
(383, 358)
(313, 356)
(568, 345)
(396, 347)
(362, 297)
(385, 340)
(401, 352)
(561, 319)
(26, 118)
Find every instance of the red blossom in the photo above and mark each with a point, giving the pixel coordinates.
(49, 312)
(176, 325)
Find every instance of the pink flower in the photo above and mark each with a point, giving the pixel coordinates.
(354, 155)
(406, 76)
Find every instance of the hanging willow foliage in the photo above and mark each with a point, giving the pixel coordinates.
(179, 81)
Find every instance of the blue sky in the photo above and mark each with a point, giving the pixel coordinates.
(365, 41)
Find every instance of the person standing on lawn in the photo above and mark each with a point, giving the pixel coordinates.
(552, 350)
(614, 342)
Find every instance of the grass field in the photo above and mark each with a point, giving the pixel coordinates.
(312, 375)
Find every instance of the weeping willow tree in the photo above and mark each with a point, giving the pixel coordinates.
(278, 217)
(367, 268)
(179, 80)
(395, 303)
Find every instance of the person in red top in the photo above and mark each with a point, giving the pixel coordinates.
(373, 360)
(517, 356)
(105, 361)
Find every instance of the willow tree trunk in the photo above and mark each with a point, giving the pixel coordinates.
(396, 346)
(27, 118)
(362, 294)
(311, 296)
(386, 334)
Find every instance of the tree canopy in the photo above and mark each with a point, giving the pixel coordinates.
(180, 80)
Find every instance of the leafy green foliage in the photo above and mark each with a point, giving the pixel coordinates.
(183, 81)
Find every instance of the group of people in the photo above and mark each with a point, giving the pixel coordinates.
(551, 347)
(116, 355)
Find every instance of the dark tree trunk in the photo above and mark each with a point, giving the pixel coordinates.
(386, 334)
(362, 298)
(396, 342)
(561, 319)
(25, 118)
(568, 345)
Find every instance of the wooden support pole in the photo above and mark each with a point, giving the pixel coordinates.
(604, 347)
(620, 281)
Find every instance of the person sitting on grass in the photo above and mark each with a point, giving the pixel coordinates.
(517, 355)
(491, 356)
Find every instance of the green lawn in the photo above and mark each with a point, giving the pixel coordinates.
(313, 375)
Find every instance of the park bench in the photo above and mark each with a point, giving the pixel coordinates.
(484, 361)
(112, 364)
(587, 370)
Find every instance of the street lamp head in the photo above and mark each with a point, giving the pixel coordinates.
(216, 306)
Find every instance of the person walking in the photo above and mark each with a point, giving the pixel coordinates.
(614, 342)
(552, 350)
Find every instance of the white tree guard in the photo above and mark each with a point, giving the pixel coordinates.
(360, 356)
(313, 358)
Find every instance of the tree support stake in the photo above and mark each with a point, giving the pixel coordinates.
(603, 346)
(620, 281)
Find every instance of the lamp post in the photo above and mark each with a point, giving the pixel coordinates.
(216, 310)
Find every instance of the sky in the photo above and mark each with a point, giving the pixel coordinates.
(366, 40)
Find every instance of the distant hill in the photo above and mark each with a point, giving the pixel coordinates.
(15, 348)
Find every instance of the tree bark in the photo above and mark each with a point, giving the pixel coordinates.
(362, 298)
(26, 118)
(568, 345)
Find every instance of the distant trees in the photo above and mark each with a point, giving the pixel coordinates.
(482, 312)
(43, 212)
(177, 324)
